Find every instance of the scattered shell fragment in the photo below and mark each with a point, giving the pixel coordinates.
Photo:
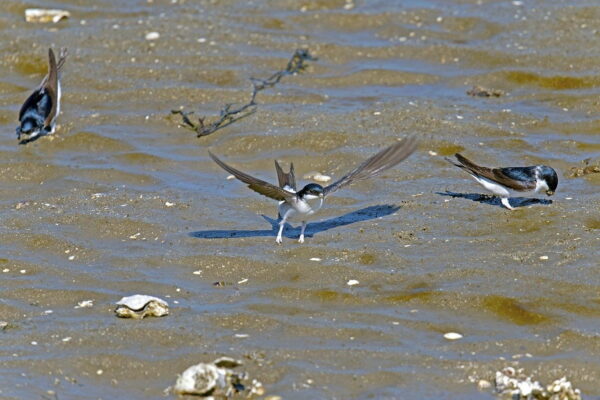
(315, 259)
(480, 91)
(543, 257)
(317, 176)
(483, 384)
(85, 304)
(215, 379)
(453, 336)
(586, 169)
(352, 282)
(43, 16)
(3, 325)
(514, 383)
(140, 306)
(21, 204)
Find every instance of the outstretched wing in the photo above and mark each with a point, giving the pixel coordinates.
(51, 87)
(47, 91)
(376, 164)
(513, 178)
(258, 185)
(284, 179)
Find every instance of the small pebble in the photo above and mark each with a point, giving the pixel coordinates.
(352, 282)
(23, 271)
(152, 35)
(432, 153)
(315, 259)
(543, 257)
(169, 204)
(241, 335)
(453, 336)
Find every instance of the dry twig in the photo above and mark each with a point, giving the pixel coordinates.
(229, 115)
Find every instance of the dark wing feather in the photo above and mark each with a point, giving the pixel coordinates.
(31, 102)
(376, 164)
(45, 89)
(522, 179)
(504, 176)
(61, 59)
(51, 86)
(259, 186)
(285, 179)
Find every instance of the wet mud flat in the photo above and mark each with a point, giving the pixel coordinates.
(121, 201)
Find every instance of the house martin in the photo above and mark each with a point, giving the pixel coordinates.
(506, 182)
(38, 114)
(302, 204)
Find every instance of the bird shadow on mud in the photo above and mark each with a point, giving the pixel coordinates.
(495, 200)
(290, 232)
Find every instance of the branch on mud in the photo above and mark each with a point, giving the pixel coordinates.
(228, 114)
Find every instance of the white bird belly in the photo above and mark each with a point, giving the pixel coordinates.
(493, 187)
(300, 210)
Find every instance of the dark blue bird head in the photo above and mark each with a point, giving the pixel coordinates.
(549, 175)
(27, 126)
(31, 122)
(312, 189)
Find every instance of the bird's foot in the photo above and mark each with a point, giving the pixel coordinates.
(301, 239)
(278, 240)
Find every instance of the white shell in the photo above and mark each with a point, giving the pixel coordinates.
(200, 379)
(43, 16)
(139, 306)
(214, 378)
(317, 176)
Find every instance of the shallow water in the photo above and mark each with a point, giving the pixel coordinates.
(85, 214)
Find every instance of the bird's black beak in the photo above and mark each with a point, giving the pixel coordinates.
(549, 192)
